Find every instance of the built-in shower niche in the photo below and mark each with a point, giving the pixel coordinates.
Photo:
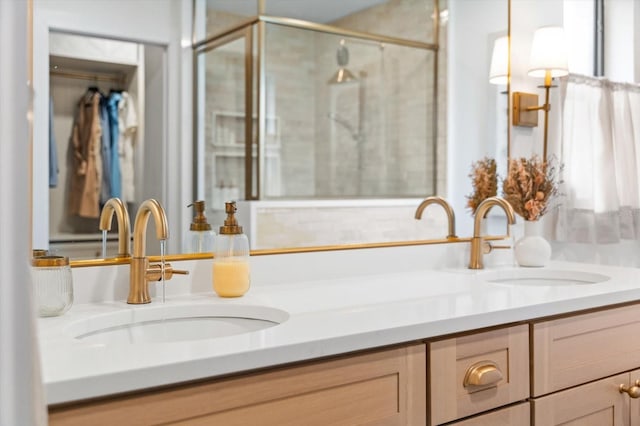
(225, 156)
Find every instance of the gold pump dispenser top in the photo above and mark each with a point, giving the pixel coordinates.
(230, 226)
(200, 220)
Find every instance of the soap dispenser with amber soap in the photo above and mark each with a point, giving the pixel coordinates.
(231, 257)
(200, 237)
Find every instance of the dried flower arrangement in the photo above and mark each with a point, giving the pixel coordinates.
(484, 180)
(530, 186)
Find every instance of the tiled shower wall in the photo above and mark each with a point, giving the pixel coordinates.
(394, 155)
(291, 72)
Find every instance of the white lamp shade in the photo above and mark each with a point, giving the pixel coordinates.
(549, 53)
(499, 71)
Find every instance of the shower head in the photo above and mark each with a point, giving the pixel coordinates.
(343, 75)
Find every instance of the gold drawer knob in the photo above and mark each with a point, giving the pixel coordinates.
(483, 373)
(633, 391)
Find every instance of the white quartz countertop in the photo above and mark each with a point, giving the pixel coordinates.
(326, 317)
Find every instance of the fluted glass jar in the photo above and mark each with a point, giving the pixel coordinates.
(52, 284)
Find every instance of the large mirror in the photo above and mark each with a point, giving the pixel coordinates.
(409, 126)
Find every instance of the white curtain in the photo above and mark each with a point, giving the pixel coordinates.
(600, 201)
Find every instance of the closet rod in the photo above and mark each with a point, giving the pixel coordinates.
(86, 76)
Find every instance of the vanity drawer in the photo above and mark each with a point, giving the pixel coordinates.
(497, 361)
(578, 349)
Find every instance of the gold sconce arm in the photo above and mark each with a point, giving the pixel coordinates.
(525, 113)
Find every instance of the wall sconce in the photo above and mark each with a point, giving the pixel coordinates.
(548, 60)
(499, 70)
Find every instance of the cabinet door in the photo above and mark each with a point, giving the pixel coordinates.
(582, 348)
(518, 415)
(386, 387)
(594, 404)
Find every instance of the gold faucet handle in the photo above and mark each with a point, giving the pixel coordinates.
(154, 272)
(488, 247)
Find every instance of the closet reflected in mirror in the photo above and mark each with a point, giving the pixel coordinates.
(106, 111)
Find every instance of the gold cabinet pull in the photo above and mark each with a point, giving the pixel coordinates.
(633, 391)
(483, 373)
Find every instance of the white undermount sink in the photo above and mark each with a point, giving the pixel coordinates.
(164, 323)
(542, 277)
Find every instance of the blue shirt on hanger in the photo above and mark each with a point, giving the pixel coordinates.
(105, 144)
(115, 178)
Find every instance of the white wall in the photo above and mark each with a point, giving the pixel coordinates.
(162, 22)
(579, 24)
(621, 40)
(21, 391)
(472, 100)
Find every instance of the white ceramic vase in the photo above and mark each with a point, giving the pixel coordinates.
(532, 249)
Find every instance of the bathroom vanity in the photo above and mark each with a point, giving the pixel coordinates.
(361, 345)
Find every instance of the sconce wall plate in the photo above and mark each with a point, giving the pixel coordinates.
(522, 116)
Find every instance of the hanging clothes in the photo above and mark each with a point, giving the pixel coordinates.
(86, 162)
(127, 126)
(105, 141)
(115, 180)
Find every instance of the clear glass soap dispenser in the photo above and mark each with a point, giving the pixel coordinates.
(231, 275)
(200, 237)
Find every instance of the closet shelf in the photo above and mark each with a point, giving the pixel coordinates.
(88, 76)
(61, 66)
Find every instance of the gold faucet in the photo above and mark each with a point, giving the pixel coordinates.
(115, 205)
(476, 241)
(447, 208)
(141, 272)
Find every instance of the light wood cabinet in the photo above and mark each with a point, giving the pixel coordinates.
(517, 415)
(498, 358)
(386, 387)
(598, 403)
(577, 349)
(578, 365)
